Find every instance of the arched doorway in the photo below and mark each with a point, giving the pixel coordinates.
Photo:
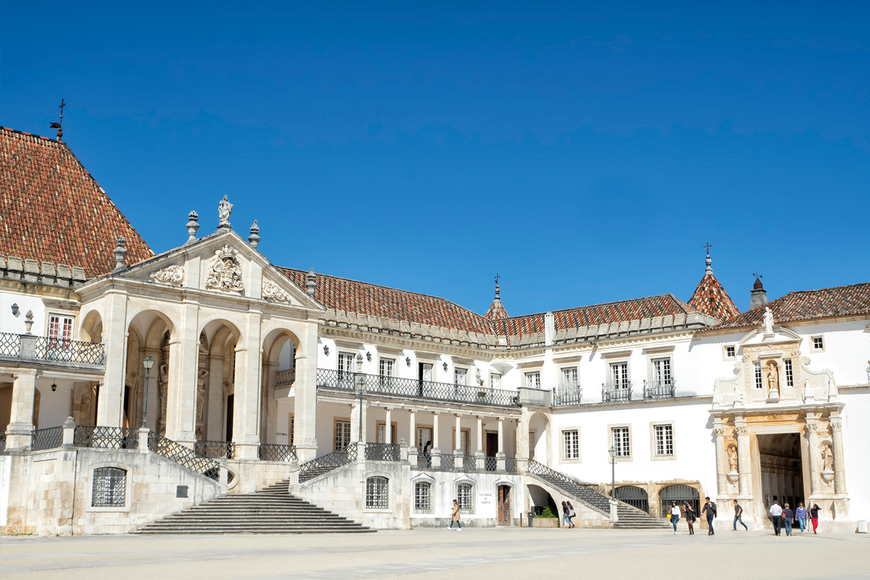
(681, 494)
(277, 400)
(633, 496)
(539, 437)
(148, 334)
(215, 387)
(540, 499)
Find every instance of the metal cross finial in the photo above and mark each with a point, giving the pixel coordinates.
(757, 275)
(59, 126)
(496, 279)
(708, 246)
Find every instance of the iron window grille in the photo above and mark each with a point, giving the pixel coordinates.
(664, 440)
(789, 373)
(423, 497)
(465, 497)
(377, 493)
(621, 441)
(110, 487)
(571, 442)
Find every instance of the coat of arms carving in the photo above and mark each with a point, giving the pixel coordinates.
(225, 273)
(172, 275)
(273, 292)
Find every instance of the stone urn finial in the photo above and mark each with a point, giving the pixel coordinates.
(311, 283)
(192, 226)
(120, 253)
(28, 320)
(254, 238)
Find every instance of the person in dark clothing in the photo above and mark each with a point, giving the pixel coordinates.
(710, 511)
(690, 517)
(787, 519)
(814, 516)
(738, 516)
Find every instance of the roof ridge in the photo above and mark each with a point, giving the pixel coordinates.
(49, 139)
(665, 295)
(823, 289)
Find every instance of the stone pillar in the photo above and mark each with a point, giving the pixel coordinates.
(457, 446)
(111, 397)
(839, 456)
(69, 434)
(479, 455)
(246, 403)
(721, 458)
(20, 428)
(183, 368)
(215, 420)
(744, 461)
(813, 452)
(523, 441)
(500, 458)
(388, 430)
(306, 395)
(412, 447)
(436, 451)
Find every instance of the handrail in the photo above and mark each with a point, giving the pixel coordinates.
(105, 437)
(659, 389)
(568, 396)
(567, 484)
(326, 463)
(51, 349)
(383, 452)
(616, 392)
(216, 449)
(277, 452)
(46, 438)
(184, 456)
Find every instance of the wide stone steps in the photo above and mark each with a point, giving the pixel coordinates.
(271, 510)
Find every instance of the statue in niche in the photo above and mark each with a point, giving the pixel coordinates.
(225, 208)
(732, 458)
(827, 458)
(201, 373)
(772, 377)
(767, 319)
(163, 381)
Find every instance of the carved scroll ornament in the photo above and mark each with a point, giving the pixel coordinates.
(172, 275)
(274, 293)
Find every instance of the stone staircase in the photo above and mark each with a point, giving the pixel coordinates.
(629, 517)
(271, 510)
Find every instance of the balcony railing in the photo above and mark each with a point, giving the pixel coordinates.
(383, 452)
(277, 452)
(567, 395)
(286, 378)
(616, 393)
(215, 449)
(413, 388)
(659, 389)
(49, 349)
(46, 438)
(106, 437)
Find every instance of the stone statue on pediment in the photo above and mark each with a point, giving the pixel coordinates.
(225, 208)
(767, 319)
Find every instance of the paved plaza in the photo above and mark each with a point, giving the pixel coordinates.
(474, 553)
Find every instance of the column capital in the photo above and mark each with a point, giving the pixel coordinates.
(836, 424)
(742, 431)
(720, 431)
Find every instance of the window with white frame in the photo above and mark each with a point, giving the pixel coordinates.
(60, 330)
(759, 382)
(377, 493)
(495, 380)
(109, 488)
(661, 368)
(569, 378)
(730, 351)
(571, 444)
(789, 373)
(459, 376)
(664, 440)
(619, 375)
(342, 434)
(345, 369)
(533, 380)
(818, 343)
(385, 367)
(465, 497)
(423, 497)
(620, 441)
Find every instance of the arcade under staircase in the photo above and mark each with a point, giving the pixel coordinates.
(271, 510)
(629, 517)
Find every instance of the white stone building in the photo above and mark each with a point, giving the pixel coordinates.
(262, 374)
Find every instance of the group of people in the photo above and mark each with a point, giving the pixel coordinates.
(567, 514)
(784, 517)
(709, 511)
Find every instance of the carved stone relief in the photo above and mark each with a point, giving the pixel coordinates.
(163, 382)
(172, 275)
(274, 293)
(225, 272)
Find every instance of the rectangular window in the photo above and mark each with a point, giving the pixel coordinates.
(818, 343)
(495, 380)
(619, 375)
(465, 497)
(730, 351)
(759, 383)
(620, 441)
(569, 378)
(110, 487)
(342, 434)
(377, 493)
(661, 371)
(291, 435)
(345, 370)
(459, 376)
(789, 374)
(385, 367)
(664, 440)
(533, 380)
(59, 331)
(571, 444)
(423, 497)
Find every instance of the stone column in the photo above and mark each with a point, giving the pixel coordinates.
(20, 428)
(479, 455)
(523, 441)
(183, 367)
(436, 451)
(458, 443)
(306, 395)
(111, 397)
(721, 458)
(412, 446)
(839, 456)
(246, 402)
(744, 461)
(813, 453)
(388, 431)
(215, 420)
(500, 458)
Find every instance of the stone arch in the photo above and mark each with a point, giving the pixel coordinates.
(633, 496)
(148, 332)
(218, 340)
(91, 329)
(680, 493)
(540, 437)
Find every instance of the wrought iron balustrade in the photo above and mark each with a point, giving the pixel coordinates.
(616, 392)
(424, 461)
(510, 464)
(277, 452)
(216, 449)
(414, 388)
(184, 456)
(469, 463)
(565, 396)
(383, 452)
(50, 438)
(2, 440)
(447, 463)
(286, 378)
(51, 349)
(659, 389)
(490, 464)
(106, 437)
(326, 463)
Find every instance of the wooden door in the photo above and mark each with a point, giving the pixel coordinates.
(491, 444)
(504, 505)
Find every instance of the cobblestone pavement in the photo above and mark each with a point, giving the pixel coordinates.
(501, 553)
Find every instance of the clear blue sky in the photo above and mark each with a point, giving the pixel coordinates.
(584, 151)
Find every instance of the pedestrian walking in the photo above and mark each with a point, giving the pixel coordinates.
(787, 519)
(566, 521)
(801, 515)
(690, 517)
(710, 511)
(814, 516)
(571, 514)
(675, 515)
(454, 517)
(738, 516)
(776, 516)
(427, 453)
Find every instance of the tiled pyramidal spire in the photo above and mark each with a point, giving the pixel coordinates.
(496, 309)
(710, 297)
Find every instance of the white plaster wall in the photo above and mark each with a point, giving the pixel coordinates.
(846, 352)
(15, 324)
(53, 406)
(444, 487)
(856, 435)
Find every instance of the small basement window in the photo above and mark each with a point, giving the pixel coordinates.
(110, 487)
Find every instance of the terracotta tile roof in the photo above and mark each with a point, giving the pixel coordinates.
(373, 300)
(51, 209)
(622, 311)
(711, 299)
(808, 305)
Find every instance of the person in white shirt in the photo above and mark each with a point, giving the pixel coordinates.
(776, 516)
(675, 515)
